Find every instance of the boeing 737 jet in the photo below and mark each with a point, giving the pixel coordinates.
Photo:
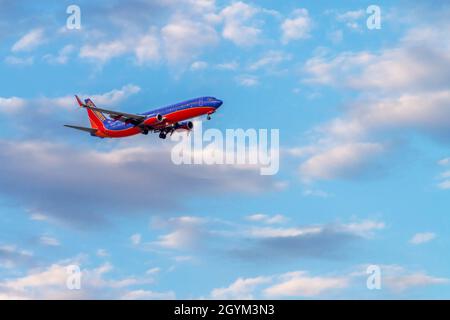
(163, 120)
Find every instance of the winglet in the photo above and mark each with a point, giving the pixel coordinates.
(79, 101)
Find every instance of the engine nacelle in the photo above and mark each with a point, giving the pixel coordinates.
(159, 118)
(186, 125)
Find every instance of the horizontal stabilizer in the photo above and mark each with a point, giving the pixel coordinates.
(90, 130)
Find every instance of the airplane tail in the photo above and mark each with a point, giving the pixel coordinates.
(96, 118)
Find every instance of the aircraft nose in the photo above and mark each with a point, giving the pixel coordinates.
(218, 103)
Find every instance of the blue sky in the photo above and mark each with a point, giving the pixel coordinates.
(364, 118)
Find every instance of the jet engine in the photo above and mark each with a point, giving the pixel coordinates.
(159, 118)
(186, 125)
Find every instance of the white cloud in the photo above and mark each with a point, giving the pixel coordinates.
(343, 155)
(176, 239)
(147, 48)
(402, 283)
(297, 27)
(29, 41)
(290, 284)
(444, 176)
(12, 104)
(315, 193)
(336, 36)
(51, 283)
(340, 161)
(112, 97)
(238, 24)
(428, 112)
(278, 218)
(444, 162)
(187, 233)
(267, 232)
(102, 253)
(202, 9)
(242, 288)
(444, 184)
(36, 216)
(270, 59)
(136, 239)
(116, 95)
(62, 57)
(198, 65)
(351, 18)
(365, 229)
(264, 236)
(403, 89)
(247, 80)
(410, 66)
(129, 31)
(12, 257)
(148, 295)
(184, 39)
(351, 15)
(422, 237)
(300, 284)
(155, 270)
(257, 217)
(398, 279)
(49, 241)
(232, 65)
(59, 169)
(336, 71)
(186, 31)
(38, 283)
(183, 258)
(104, 51)
(17, 61)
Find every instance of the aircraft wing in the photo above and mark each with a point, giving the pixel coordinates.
(117, 115)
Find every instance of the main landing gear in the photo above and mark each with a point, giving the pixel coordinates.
(144, 129)
(162, 135)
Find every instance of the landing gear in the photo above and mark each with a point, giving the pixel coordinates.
(144, 129)
(208, 117)
(162, 135)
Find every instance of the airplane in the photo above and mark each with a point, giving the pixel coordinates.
(164, 120)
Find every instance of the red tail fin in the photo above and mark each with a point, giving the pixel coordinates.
(96, 118)
(80, 103)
